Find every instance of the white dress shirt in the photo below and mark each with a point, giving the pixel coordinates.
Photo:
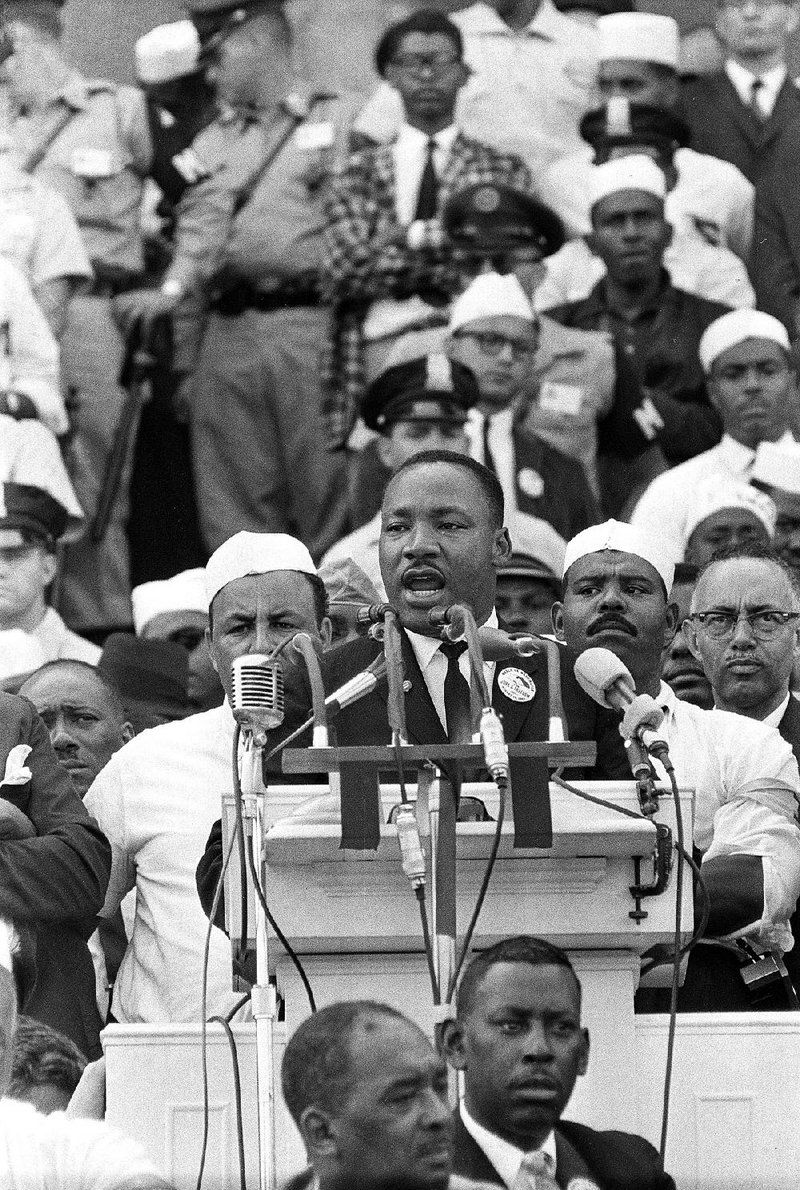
(433, 664)
(666, 503)
(767, 95)
(156, 801)
(774, 717)
(59, 643)
(409, 152)
(747, 790)
(501, 445)
(505, 1157)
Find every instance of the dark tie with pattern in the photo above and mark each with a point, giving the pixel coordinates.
(756, 91)
(456, 695)
(428, 197)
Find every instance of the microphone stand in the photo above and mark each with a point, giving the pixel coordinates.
(263, 997)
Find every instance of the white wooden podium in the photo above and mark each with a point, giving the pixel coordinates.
(353, 919)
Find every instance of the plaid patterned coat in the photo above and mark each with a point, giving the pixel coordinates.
(358, 267)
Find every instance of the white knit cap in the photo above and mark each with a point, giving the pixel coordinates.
(778, 464)
(639, 37)
(636, 172)
(619, 535)
(490, 296)
(255, 553)
(714, 494)
(167, 52)
(735, 327)
(181, 593)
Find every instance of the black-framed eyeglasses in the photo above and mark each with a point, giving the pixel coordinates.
(763, 625)
(419, 65)
(492, 344)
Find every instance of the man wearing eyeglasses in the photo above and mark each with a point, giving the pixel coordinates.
(617, 583)
(744, 628)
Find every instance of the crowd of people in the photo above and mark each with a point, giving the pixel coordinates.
(519, 331)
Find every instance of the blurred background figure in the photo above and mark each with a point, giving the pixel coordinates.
(776, 469)
(348, 589)
(176, 609)
(152, 677)
(528, 582)
(727, 516)
(46, 1067)
(680, 669)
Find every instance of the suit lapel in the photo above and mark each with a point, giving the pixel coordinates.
(789, 726)
(569, 1163)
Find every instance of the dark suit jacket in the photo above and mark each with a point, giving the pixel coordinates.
(54, 883)
(565, 501)
(725, 127)
(775, 262)
(615, 1160)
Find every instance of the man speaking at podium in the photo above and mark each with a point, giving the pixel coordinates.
(442, 542)
(616, 597)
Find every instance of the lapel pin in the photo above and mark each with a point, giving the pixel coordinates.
(516, 684)
(406, 686)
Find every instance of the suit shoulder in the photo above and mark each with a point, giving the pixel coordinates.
(625, 1151)
(14, 709)
(348, 659)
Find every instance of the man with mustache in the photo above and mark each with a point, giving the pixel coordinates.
(519, 1043)
(369, 1095)
(744, 628)
(751, 382)
(679, 669)
(616, 596)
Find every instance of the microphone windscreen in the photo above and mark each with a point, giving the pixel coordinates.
(598, 670)
(257, 694)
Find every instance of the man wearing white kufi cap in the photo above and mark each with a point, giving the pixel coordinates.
(751, 383)
(176, 609)
(494, 331)
(616, 597)
(728, 516)
(656, 326)
(159, 796)
(638, 61)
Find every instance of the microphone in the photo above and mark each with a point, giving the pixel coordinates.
(374, 613)
(356, 687)
(303, 644)
(608, 681)
(257, 695)
(499, 646)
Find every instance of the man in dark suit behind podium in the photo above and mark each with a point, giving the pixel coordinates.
(442, 541)
(518, 1040)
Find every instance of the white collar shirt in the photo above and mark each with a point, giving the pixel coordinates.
(774, 717)
(433, 664)
(505, 1157)
(771, 82)
(543, 74)
(501, 445)
(747, 790)
(409, 152)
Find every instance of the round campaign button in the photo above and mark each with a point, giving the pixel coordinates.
(530, 482)
(516, 684)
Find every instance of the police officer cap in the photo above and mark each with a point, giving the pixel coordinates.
(212, 17)
(620, 122)
(392, 395)
(488, 217)
(29, 514)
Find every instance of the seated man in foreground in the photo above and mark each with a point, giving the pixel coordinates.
(518, 1041)
(616, 597)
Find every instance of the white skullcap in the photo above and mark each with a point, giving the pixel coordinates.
(255, 553)
(777, 464)
(181, 593)
(639, 37)
(490, 296)
(167, 52)
(532, 537)
(636, 172)
(733, 328)
(714, 494)
(619, 535)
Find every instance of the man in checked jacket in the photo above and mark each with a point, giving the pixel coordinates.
(387, 267)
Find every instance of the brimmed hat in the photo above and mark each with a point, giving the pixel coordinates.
(433, 378)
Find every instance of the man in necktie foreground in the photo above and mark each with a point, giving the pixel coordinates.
(519, 1043)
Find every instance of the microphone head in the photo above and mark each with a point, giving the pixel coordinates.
(598, 671)
(257, 698)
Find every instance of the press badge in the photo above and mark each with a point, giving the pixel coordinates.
(310, 137)
(563, 399)
(93, 164)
